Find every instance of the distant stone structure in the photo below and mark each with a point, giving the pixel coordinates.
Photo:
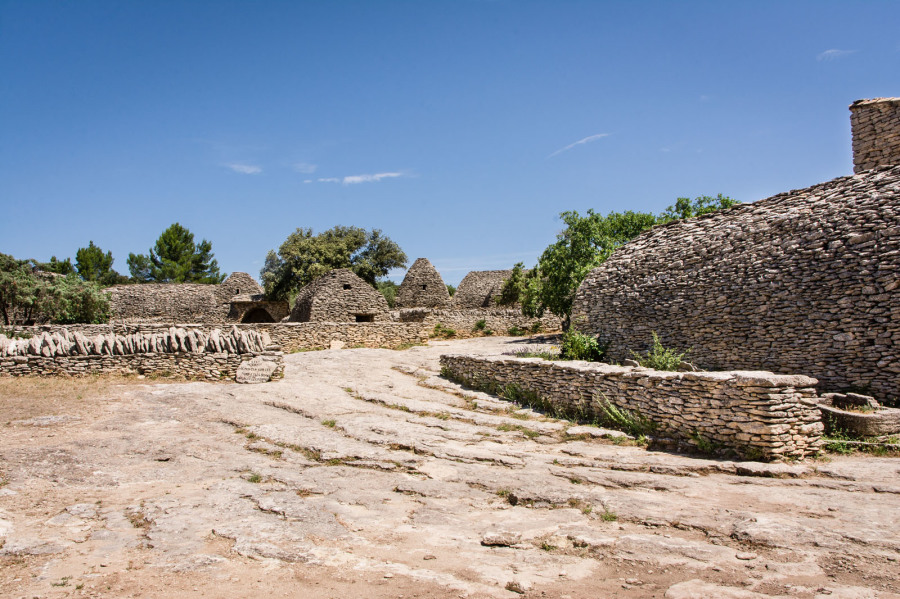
(876, 133)
(340, 296)
(237, 298)
(423, 287)
(804, 282)
(479, 288)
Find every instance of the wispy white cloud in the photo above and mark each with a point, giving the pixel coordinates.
(305, 168)
(586, 140)
(244, 169)
(355, 179)
(834, 54)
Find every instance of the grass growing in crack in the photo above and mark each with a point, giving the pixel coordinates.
(528, 432)
(255, 477)
(547, 546)
(704, 445)
(330, 423)
(608, 516)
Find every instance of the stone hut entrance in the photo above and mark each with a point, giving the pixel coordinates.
(257, 315)
(339, 296)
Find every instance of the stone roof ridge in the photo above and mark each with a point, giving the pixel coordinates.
(422, 287)
(875, 101)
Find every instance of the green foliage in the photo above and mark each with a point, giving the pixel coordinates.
(175, 258)
(685, 208)
(389, 290)
(480, 325)
(93, 265)
(578, 346)
(303, 257)
(443, 332)
(513, 287)
(660, 357)
(515, 331)
(451, 290)
(586, 242)
(60, 267)
(628, 421)
(27, 295)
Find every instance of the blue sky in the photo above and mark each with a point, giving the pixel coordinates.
(460, 128)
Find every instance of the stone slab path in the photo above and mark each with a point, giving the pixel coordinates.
(365, 474)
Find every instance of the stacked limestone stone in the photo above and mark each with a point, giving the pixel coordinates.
(339, 296)
(479, 288)
(188, 352)
(805, 282)
(876, 133)
(423, 287)
(751, 414)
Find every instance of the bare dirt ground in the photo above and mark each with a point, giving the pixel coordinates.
(365, 474)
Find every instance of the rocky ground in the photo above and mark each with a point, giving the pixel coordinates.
(365, 474)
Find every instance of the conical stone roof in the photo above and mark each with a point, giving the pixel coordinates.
(423, 287)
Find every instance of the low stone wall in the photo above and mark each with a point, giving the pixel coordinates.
(213, 367)
(176, 351)
(293, 336)
(756, 415)
(290, 336)
(463, 321)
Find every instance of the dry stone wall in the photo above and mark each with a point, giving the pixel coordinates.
(498, 320)
(423, 287)
(339, 296)
(179, 302)
(805, 282)
(875, 125)
(189, 352)
(478, 289)
(757, 415)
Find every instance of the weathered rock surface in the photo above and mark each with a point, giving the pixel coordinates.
(362, 473)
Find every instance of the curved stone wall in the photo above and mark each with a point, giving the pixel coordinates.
(805, 282)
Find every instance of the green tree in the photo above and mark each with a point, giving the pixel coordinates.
(686, 208)
(29, 294)
(60, 267)
(389, 290)
(304, 256)
(587, 242)
(93, 265)
(451, 289)
(175, 258)
(584, 244)
(513, 287)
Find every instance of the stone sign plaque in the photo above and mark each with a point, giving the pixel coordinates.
(254, 371)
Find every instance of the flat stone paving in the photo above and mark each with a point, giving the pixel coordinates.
(365, 474)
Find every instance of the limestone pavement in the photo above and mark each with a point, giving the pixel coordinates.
(363, 473)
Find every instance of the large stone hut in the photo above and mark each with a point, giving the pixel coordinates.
(423, 287)
(479, 288)
(340, 296)
(230, 301)
(804, 282)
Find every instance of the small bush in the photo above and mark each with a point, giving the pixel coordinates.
(660, 357)
(329, 423)
(578, 346)
(631, 422)
(443, 332)
(515, 331)
(480, 325)
(536, 327)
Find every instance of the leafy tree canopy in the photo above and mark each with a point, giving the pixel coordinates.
(304, 256)
(60, 267)
(389, 290)
(586, 242)
(93, 265)
(175, 258)
(28, 294)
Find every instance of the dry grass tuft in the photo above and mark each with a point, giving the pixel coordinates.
(33, 396)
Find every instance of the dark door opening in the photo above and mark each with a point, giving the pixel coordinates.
(365, 318)
(257, 315)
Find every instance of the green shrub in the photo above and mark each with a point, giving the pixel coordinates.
(660, 357)
(536, 327)
(515, 331)
(443, 332)
(578, 346)
(480, 325)
(631, 422)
